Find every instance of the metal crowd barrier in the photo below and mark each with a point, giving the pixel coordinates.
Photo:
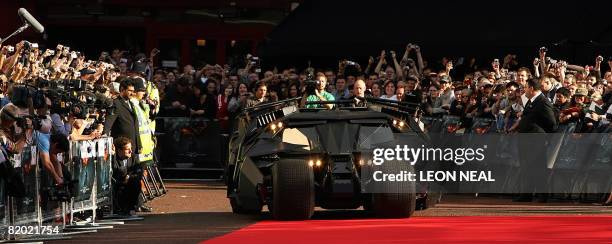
(572, 157)
(88, 165)
(192, 147)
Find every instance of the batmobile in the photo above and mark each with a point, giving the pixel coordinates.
(295, 159)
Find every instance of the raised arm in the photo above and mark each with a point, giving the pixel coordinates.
(381, 60)
(399, 72)
(419, 59)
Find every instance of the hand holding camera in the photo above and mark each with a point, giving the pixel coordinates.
(495, 64)
(542, 52)
(409, 47)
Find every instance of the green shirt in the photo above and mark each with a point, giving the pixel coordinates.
(313, 98)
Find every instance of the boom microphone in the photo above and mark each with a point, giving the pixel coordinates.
(31, 20)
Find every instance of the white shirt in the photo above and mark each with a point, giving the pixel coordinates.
(394, 97)
(524, 98)
(537, 93)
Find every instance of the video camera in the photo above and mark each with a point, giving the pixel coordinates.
(311, 84)
(36, 122)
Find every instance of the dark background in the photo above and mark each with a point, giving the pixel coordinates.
(321, 31)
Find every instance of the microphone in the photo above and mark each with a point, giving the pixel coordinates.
(30, 20)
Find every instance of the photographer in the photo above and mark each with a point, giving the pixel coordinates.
(315, 91)
(10, 140)
(79, 117)
(44, 143)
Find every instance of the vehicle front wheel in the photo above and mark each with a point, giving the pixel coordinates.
(293, 190)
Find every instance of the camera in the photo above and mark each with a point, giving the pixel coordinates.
(351, 63)
(543, 49)
(10, 49)
(311, 86)
(496, 62)
(600, 58)
(21, 122)
(28, 45)
(256, 64)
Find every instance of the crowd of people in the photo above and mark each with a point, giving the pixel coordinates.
(57, 95)
(53, 96)
(580, 94)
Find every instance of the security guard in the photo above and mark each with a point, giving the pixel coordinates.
(141, 109)
(144, 122)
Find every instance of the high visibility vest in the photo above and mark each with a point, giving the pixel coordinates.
(144, 131)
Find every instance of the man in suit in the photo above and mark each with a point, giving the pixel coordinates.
(537, 119)
(538, 115)
(126, 177)
(124, 123)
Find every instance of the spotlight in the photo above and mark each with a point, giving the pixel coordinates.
(310, 163)
(318, 163)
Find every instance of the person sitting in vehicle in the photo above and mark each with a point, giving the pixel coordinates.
(358, 98)
(317, 93)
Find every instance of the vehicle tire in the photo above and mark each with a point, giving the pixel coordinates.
(395, 199)
(293, 191)
(237, 209)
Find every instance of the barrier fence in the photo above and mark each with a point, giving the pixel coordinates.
(88, 177)
(578, 165)
(190, 143)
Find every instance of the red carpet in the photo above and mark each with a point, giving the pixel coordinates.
(532, 229)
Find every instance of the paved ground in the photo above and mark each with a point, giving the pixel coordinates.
(196, 211)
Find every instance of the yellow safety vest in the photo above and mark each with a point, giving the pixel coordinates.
(144, 131)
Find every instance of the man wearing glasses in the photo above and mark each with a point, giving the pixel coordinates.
(124, 122)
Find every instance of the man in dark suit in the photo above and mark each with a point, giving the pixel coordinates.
(124, 122)
(538, 118)
(538, 115)
(126, 177)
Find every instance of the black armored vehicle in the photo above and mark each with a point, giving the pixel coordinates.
(295, 159)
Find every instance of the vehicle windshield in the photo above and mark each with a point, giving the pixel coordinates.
(367, 137)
